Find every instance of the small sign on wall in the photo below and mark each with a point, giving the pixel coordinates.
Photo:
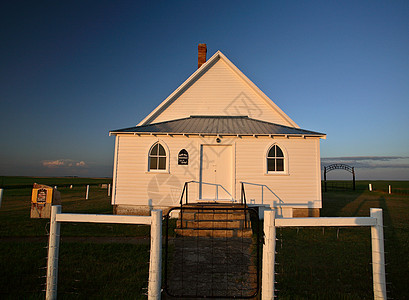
(183, 157)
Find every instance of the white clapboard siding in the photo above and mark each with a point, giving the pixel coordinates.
(299, 188)
(136, 186)
(220, 91)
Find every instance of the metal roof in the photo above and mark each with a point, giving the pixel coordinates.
(217, 125)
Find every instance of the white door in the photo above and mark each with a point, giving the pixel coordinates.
(216, 172)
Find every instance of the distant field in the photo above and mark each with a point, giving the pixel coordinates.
(401, 187)
(24, 181)
(312, 263)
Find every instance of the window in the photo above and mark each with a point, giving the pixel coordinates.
(275, 160)
(157, 158)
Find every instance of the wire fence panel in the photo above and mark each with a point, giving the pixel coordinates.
(318, 261)
(155, 221)
(212, 252)
(304, 272)
(103, 270)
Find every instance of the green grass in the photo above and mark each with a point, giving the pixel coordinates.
(398, 187)
(86, 270)
(21, 270)
(313, 263)
(335, 263)
(111, 271)
(396, 231)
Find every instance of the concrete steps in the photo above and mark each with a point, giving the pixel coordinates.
(208, 224)
(214, 220)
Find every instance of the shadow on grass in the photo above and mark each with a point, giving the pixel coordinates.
(334, 202)
(396, 229)
(396, 252)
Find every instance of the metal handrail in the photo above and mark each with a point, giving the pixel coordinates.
(243, 197)
(185, 188)
(185, 192)
(243, 194)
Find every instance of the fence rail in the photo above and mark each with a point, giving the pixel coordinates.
(377, 240)
(328, 222)
(112, 219)
(155, 262)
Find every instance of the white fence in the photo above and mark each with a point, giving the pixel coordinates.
(155, 262)
(270, 223)
(377, 241)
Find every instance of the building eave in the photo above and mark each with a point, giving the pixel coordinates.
(171, 134)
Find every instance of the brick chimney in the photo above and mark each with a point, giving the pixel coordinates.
(202, 50)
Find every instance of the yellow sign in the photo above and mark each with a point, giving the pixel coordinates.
(41, 201)
(42, 194)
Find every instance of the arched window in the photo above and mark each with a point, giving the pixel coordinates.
(157, 157)
(275, 160)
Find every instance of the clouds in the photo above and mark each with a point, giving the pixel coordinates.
(63, 163)
(80, 164)
(373, 167)
(53, 163)
(369, 161)
(66, 167)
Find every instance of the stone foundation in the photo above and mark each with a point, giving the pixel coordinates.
(138, 210)
(306, 212)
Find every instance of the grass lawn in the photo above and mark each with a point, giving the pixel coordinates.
(86, 269)
(312, 263)
(396, 231)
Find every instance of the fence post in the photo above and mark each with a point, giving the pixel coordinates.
(390, 189)
(52, 261)
(353, 178)
(109, 189)
(87, 193)
(370, 187)
(155, 261)
(378, 256)
(1, 196)
(269, 248)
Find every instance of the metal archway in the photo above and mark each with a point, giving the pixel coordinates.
(339, 167)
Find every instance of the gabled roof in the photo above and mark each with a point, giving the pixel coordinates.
(197, 74)
(218, 125)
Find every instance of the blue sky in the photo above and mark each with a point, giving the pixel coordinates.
(71, 71)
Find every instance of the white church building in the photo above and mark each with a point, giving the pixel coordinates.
(222, 134)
